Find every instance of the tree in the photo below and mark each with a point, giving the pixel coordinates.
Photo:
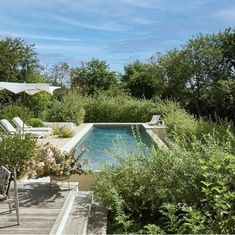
(173, 72)
(59, 74)
(17, 60)
(140, 80)
(37, 103)
(208, 69)
(92, 76)
(227, 43)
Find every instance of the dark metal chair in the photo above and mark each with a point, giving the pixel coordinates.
(5, 191)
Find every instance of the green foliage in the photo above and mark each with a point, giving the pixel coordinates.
(63, 132)
(141, 185)
(173, 72)
(69, 109)
(17, 60)
(15, 151)
(216, 212)
(123, 108)
(13, 110)
(35, 122)
(200, 75)
(155, 189)
(151, 229)
(177, 120)
(37, 103)
(141, 80)
(92, 76)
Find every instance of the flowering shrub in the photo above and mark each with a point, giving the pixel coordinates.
(52, 162)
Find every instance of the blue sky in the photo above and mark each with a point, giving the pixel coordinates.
(118, 31)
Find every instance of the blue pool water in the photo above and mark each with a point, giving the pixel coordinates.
(104, 141)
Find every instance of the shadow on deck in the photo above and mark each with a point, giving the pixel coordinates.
(39, 209)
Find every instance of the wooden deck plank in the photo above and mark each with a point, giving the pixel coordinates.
(39, 209)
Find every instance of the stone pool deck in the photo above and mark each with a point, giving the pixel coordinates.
(58, 142)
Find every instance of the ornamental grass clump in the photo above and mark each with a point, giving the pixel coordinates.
(52, 162)
(63, 132)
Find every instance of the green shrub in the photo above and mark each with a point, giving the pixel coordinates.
(177, 120)
(215, 214)
(15, 151)
(105, 108)
(69, 109)
(13, 110)
(135, 190)
(35, 122)
(63, 132)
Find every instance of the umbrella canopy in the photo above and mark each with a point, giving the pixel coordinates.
(29, 88)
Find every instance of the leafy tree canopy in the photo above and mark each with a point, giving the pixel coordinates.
(92, 76)
(17, 60)
(140, 80)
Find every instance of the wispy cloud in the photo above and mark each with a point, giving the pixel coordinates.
(74, 49)
(227, 14)
(115, 30)
(38, 37)
(139, 3)
(106, 26)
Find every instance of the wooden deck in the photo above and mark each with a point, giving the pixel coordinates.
(39, 209)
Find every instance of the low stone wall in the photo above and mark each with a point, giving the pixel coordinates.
(69, 125)
(86, 182)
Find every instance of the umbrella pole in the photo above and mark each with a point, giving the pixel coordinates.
(23, 111)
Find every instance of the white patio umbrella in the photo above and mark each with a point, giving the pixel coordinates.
(29, 88)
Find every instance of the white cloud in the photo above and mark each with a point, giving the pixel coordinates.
(106, 26)
(74, 49)
(39, 37)
(138, 3)
(227, 14)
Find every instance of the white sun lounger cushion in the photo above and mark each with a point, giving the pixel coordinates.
(11, 130)
(20, 124)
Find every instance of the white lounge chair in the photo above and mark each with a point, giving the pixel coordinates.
(154, 120)
(9, 129)
(21, 125)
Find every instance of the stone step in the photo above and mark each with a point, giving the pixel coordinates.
(78, 217)
(97, 223)
(61, 219)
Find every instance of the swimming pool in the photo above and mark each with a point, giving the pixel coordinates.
(102, 142)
